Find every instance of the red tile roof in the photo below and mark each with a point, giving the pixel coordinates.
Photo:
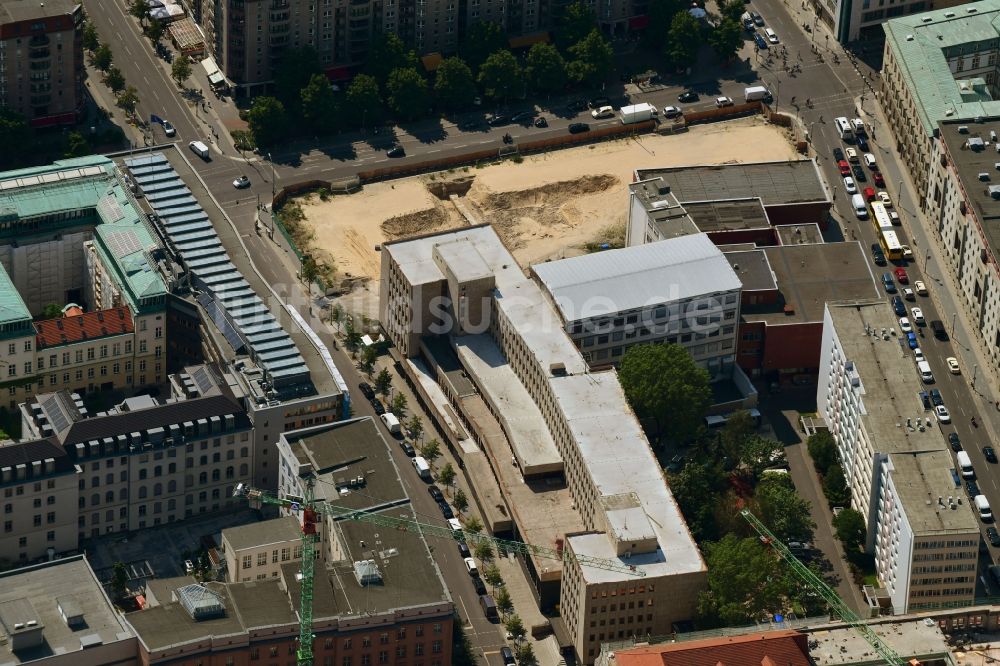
(88, 326)
(772, 648)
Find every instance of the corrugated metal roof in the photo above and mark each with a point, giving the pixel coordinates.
(597, 284)
(225, 291)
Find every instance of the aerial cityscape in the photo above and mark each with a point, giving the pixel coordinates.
(499, 332)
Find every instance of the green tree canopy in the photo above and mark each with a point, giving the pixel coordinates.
(154, 31)
(758, 453)
(481, 40)
(52, 311)
(576, 21)
(661, 13)
(697, 488)
(383, 381)
(14, 131)
(732, 9)
(835, 486)
(503, 601)
(139, 9)
(782, 510)
(850, 529)
(822, 449)
(663, 383)
(268, 121)
(431, 451)
(408, 93)
(745, 579)
(515, 627)
(526, 654)
(739, 426)
(76, 146)
(128, 99)
(683, 40)
(726, 39)
(115, 80)
(491, 574)
(180, 70)
(119, 580)
(545, 68)
(399, 404)
(447, 474)
(593, 59)
(416, 426)
(318, 104)
(364, 103)
(501, 76)
(473, 524)
(483, 550)
(368, 354)
(387, 54)
(103, 57)
(294, 71)
(454, 84)
(461, 502)
(90, 39)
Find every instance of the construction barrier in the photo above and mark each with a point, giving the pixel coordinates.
(723, 113)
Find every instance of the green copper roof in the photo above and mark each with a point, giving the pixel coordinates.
(921, 44)
(12, 308)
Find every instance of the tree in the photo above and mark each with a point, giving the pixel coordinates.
(364, 103)
(822, 449)
(481, 39)
(745, 579)
(115, 80)
(119, 580)
(408, 94)
(849, 526)
(491, 575)
(683, 40)
(758, 453)
(154, 32)
(526, 654)
(732, 9)
(90, 39)
(576, 22)
(501, 76)
(446, 475)
(383, 381)
(461, 501)
(431, 451)
(52, 311)
(473, 525)
(697, 488)
(102, 58)
(180, 70)
(387, 54)
(128, 100)
(368, 356)
(503, 601)
(352, 336)
(399, 404)
(726, 39)
(545, 68)
(139, 9)
(76, 146)
(293, 72)
(661, 13)
(515, 627)
(267, 120)
(484, 550)
(739, 426)
(14, 131)
(835, 486)
(782, 510)
(663, 383)
(593, 59)
(416, 427)
(454, 84)
(318, 104)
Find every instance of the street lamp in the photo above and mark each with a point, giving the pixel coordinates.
(927, 259)
(272, 194)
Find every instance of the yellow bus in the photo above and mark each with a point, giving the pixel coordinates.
(891, 245)
(880, 217)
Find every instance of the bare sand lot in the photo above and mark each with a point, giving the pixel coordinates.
(550, 205)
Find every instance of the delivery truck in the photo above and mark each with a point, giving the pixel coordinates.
(391, 423)
(757, 94)
(637, 113)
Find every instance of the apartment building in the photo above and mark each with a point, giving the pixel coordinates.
(963, 206)
(41, 47)
(678, 291)
(921, 528)
(937, 66)
(540, 405)
(258, 551)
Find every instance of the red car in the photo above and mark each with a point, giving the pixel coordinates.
(877, 177)
(869, 194)
(902, 276)
(845, 168)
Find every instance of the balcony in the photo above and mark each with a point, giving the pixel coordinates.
(39, 40)
(37, 53)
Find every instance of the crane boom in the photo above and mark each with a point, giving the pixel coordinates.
(825, 591)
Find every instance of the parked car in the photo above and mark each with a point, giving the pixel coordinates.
(407, 448)
(479, 585)
(849, 186)
(470, 566)
(972, 488)
(603, 112)
(878, 178)
(889, 284)
(687, 96)
(366, 390)
(953, 365)
(845, 168)
(920, 288)
(497, 119)
(838, 154)
(396, 151)
(898, 307)
(168, 129)
(904, 325)
(993, 536)
(722, 101)
(377, 406)
(522, 116)
(859, 173)
(902, 276)
(852, 155)
(577, 128)
(759, 40)
(869, 193)
(672, 112)
(990, 454)
(908, 294)
(918, 316)
(598, 102)
(862, 142)
(540, 121)
(886, 199)
(925, 399)
(955, 442)
(463, 550)
(911, 340)
(436, 493)
(936, 397)
(942, 414)
(241, 183)
(446, 509)
(757, 18)
(907, 252)
(878, 256)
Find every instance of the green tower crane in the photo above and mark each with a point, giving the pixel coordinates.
(312, 510)
(825, 591)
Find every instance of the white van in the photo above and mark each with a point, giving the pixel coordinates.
(924, 368)
(423, 469)
(200, 149)
(965, 465)
(984, 508)
(870, 161)
(860, 207)
(391, 423)
(844, 128)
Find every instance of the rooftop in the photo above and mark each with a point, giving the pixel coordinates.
(774, 183)
(799, 234)
(87, 326)
(753, 270)
(773, 648)
(840, 645)
(39, 590)
(808, 276)
(728, 215)
(662, 209)
(630, 278)
(266, 532)
(919, 480)
(12, 307)
(923, 42)
(26, 10)
(972, 158)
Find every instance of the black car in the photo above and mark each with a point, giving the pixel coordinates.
(889, 283)
(926, 400)
(761, 42)
(522, 116)
(838, 155)
(956, 443)
(757, 19)
(498, 119)
(395, 151)
(598, 102)
(859, 174)
(366, 390)
(577, 128)
(463, 550)
(878, 255)
(990, 454)
(971, 488)
(541, 122)
(577, 105)
(377, 406)
(408, 449)
(478, 583)
(862, 142)
(993, 536)
(688, 96)
(446, 510)
(936, 398)
(436, 493)
(898, 307)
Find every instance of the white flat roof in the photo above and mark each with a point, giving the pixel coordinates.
(677, 269)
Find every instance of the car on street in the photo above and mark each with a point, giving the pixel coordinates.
(603, 112)
(953, 365)
(168, 129)
(936, 398)
(862, 142)
(907, 252)
(905, 326)
(687, 97)
(889, 284)
(886, 199)
(241, 182)
(990, 454)
(918, 316)
(470, 566)
(868, 193)
(446, 510)
(396, 151)
(497, 119)
(859, 173)
(925, 399)
(838, 154)
(407, 448)
(942, 414)
(463, 550)
(954, 441)
(598, 102)
(522, 116)
(993, 536)
(845, 168)
(757, 18)
(878, 256)
(366, 390)
(759, 40)
(672, 112)
(435, 493)
(897, 306)
(894, 218)
(577, 105)
(878, 178)
(455, 525)
(577, 128)
(908, 294)
(852, 155)
(911, 340)
(540, 121)
(918, 355)
(479, 585)
(849, 185)
(972, 488)
(920, 287)
(377, 406)
(722, 101)
(771, 35)
(902, 276)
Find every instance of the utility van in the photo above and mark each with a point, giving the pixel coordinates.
(423, 469)
(983, 506)
(200, 149)
(391, 423)
(489, 606)
(924, 368)
(965, 465)
(860, 206)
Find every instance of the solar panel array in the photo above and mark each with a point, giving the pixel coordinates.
(226, 293)
(123, 243)
(109, 208)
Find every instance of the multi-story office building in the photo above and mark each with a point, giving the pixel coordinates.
(853, 20)
(257, 551)
(680, 290)
(41, 47)
(541, 405)
(921, 528)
